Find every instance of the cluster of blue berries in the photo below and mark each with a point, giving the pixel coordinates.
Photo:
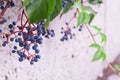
(27, 38)
(2, 7)
(67, 33)
(46, 33)
(80, 28)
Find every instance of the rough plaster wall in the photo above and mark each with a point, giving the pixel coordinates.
(57, 61)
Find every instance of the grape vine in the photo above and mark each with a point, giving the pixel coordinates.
(35, 18)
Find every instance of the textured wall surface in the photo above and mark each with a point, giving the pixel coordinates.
(70, 60)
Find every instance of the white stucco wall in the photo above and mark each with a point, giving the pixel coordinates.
(56, 61)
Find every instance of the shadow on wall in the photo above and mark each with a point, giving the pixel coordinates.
(107, 72)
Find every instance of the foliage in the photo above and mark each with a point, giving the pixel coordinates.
(42, 12)
(39, 10)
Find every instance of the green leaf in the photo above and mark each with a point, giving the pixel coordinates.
(103, 36)
(84, 17)
(91, 18)
(27, 2)
(47, 23)
(96, 28)
(97, 55)
(81, 19)
(79, 5)
(58, 8)
(95, 45)
(87, 18)
(67, 8)
(117, 67)
(77, 0)
(88, 8)
(39, 10)
(94, 2)
(103, 55)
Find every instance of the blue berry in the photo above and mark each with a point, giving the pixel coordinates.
(20, 33)
(37, 50)
(15, 47)
(80, 29)
(27, 48)
(19, 40)
(11, 31)
(74, 27)
(20, 59)
(38, 56)
(66, 23)
(34, 47)
(2, 7)
(24, 55)
(4, 20)
(10, 26)
(11, 39)
(1, 3)
(14, 23)
(62, 28)
(16, 40)
(21, 44)
(19, 52)
(52, 30)
(71, 36)
(62, 39)
(61, 32)
(31, 62)
(81, 26)
(19, 27)
(0, 30)
(52, 35)
(35, 59)
(13, 51)
(4, 43)
(12, 4)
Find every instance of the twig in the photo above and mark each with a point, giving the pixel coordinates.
(111, 67)
(90, 33)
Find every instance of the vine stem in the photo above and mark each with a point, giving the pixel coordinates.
(110, 66)
(90, 33)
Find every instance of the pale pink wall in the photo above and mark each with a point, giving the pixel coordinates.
(56, 62)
